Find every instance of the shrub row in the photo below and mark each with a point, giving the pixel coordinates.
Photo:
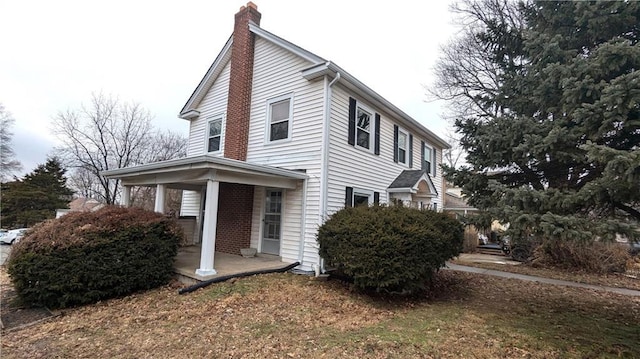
(389, 249)
(85, 257)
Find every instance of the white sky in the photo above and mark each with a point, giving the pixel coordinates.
(56, 53)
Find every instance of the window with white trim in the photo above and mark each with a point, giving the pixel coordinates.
(403, 144)
(364, 128)
(279, 112)
(427, 154)
(214, 134)
(360, 197)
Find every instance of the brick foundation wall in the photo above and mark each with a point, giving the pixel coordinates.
(235, 208)
(241, 80)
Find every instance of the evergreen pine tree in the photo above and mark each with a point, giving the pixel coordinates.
(36, 197)
(560, 155)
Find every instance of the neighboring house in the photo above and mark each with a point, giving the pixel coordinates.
(279, 139)
(80, 205)
(455, 203)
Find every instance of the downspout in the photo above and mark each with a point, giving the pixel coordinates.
(324, 153)
(303, 221)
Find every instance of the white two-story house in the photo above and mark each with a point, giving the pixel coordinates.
(280, 139)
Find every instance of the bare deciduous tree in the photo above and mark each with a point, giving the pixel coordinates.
(8, 164)
(454, 156)
(468, 73)
(109, 134)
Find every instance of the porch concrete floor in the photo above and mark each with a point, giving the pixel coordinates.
(188, 260)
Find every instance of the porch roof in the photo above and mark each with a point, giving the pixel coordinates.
(408, 182)
(192, 172)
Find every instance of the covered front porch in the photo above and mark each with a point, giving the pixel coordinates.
(188, 261)
(227, 212)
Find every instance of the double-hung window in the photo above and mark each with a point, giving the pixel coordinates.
(363, 128)
(402, 146)
(214, 134)
(427, 154)
(403, 140)
(279, 115)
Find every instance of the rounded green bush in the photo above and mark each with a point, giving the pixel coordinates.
(389, 249)
(84, 257)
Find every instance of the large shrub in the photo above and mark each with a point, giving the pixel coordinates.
(389, 249)
(85, 257)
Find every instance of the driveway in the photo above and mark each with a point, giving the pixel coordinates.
(5, 249)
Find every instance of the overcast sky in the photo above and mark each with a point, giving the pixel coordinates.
(56, 53)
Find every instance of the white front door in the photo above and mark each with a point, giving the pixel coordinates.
(272, 222)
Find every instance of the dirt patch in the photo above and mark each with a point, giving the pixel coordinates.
(13, 315)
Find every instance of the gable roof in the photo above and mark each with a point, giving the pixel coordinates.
(320, 68)
(407, 181)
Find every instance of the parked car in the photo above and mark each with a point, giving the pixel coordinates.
(13, 235)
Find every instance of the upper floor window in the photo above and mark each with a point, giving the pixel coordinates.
(402, 146)
(427, 154)
(363, 128)
(214, 137)
(279, 115)
(403, 138)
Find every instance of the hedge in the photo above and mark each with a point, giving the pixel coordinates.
(85, 257)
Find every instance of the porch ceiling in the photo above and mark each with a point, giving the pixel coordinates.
(192, 172)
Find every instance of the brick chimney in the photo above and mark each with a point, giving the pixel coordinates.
(239, 101)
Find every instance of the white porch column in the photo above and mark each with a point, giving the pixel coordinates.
(209, 229)
(126, 196)
(160, 191)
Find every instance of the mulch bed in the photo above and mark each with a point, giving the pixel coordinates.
(12, 314)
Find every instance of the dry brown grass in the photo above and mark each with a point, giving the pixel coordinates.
(292, 316)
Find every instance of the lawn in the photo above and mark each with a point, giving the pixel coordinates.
(292, 316)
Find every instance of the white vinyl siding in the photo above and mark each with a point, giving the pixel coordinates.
(190, 205)
(276, 73)
(361, 169)
(256, 219)
(213, 104)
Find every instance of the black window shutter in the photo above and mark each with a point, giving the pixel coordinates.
(348, 197)
(352, 121)
(422, 155)
(435, 161)
(376, 148)
(395, 143)
(410, 151)
(376, 198)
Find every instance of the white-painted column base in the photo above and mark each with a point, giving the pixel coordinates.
(205, 272)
